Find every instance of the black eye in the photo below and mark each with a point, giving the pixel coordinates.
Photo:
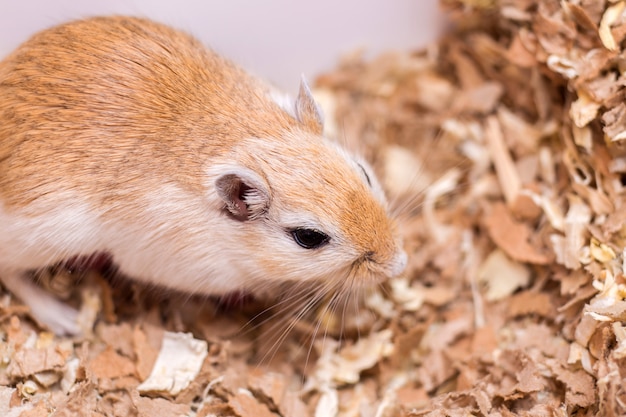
(309, 238)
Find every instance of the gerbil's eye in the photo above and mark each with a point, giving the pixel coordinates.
(367, 177)
(309, 238)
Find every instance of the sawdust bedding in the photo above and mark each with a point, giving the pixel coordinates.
(503, 148)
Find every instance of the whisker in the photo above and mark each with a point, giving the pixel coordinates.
(293, 321)
(296, 293)
(332, 289)
(406, 203)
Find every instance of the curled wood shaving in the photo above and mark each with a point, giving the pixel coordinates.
(610, 16)
(178, 363)
(502, 275)
(508, 177)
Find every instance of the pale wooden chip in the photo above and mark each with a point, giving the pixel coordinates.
(615, 122)
(109, 364)
(146, 350)
(613, 312)
(580, 387)
(158, 407)
(482, 99)
(584, 110)
(118, 337)
(352, 360)
(528, 302)
(609, 17)
(178, 363)
(513, 237)
(581, 15)
(39, 410)
(271, 385)
(244, 404)
(505, 168)
(502, 275)
(28, 361)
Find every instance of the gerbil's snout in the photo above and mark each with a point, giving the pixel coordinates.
(388, 263)
(375, 237)
(398, 264)
(383, 255)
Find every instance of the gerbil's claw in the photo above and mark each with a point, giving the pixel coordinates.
(59, 317)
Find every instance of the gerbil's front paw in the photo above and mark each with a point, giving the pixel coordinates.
(58, 317)
(45, 309)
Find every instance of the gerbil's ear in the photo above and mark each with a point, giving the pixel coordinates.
(307, 111)
(244, 192)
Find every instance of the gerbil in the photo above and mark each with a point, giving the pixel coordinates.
(123, 136)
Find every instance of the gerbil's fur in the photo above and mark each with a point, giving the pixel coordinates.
(124, 136)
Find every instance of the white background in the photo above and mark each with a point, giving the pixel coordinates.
(276, 39)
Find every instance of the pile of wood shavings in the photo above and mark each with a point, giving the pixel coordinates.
(516, 121)
(501, 146)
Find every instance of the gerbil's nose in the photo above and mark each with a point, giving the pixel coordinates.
(399, 263)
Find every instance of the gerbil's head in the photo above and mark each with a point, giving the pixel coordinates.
(302, 209)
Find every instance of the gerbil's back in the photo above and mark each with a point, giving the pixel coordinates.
(83, 100)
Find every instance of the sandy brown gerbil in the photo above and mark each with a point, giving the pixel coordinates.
(124, 136)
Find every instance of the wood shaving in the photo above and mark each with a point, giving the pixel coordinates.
(177, 364)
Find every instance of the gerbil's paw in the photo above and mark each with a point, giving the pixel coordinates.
(57, 316)
(45, 309)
